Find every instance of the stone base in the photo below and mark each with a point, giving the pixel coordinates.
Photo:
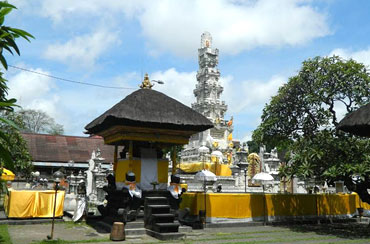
(165, 236)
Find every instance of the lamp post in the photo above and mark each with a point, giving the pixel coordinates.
(57, 178)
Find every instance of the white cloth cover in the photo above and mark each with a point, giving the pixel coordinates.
(135, 192)
(149, 166)
(80, 209)
(205, 175)
(175, 194)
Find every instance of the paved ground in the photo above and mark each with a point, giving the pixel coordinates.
(303, 234)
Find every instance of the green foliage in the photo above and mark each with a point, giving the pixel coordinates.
(16, 145)
(253, 147)
(8, 35)
(302, 119)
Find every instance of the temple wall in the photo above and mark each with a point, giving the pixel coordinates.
(253, 207)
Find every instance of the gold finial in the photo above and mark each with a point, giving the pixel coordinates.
(146, 83)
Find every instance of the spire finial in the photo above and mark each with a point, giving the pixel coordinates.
(146, 82)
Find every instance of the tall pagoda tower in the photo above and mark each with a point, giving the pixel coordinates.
(207, 93)
(208, 90)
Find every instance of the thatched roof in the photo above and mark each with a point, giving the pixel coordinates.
(150, 108)
(357, 122)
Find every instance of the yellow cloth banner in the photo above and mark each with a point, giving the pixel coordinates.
(222, 169)
(239, 205)
(33, 204)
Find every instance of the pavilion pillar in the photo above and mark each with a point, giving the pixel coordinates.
(115, 158)
(174, 161)
(130, 155)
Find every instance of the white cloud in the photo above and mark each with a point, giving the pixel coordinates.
(250, 95)
(176, 26)
(82, 51)
(74, 108)
(178, 85)
(25, 86)
(34, 91)
(362, 56)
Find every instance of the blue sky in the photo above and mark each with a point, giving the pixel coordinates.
(261, 43)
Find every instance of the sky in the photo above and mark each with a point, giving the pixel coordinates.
(114, 43)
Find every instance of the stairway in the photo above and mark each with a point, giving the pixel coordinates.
(158, 220)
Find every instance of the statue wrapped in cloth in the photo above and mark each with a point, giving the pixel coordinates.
(176, 191)
(122, 204)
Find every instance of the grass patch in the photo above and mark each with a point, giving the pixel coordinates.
(347, 242)
(4, 235)
(59, 241)
(271, 239)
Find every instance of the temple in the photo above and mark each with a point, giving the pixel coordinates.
(208, 103)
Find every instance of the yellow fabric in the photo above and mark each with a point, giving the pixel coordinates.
(7, 175)
(361, 204)
(222, 169)
(33, 204)
(162, 171)
(185, 186)
(124, 165)
(235, 205)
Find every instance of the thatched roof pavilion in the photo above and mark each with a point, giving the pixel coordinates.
(147, 120)
(150, 115)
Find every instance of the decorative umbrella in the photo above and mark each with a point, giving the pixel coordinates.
(205, 175)
(357, 122)
(262, 177)
(7, 174)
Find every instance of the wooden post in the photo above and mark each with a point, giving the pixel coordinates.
(174, 160)
(130, 154)
(115, 158)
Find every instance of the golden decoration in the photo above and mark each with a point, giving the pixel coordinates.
(146, 83)
(215, 144)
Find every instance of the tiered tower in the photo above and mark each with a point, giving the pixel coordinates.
(207, 93)
(208, 90)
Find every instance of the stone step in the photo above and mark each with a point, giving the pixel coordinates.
(135, 232)
(165, 227)
(165, 236)
(158, 209)
(134, 224)
(185, 229)
(156, 201)
(162, 218)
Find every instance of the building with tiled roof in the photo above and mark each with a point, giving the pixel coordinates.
(51, 152)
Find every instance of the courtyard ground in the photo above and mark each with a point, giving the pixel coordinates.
(68, 232)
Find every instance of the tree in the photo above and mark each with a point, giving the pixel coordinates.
(37, 121)
(302, 118)
(17, 146)
(8, 35)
